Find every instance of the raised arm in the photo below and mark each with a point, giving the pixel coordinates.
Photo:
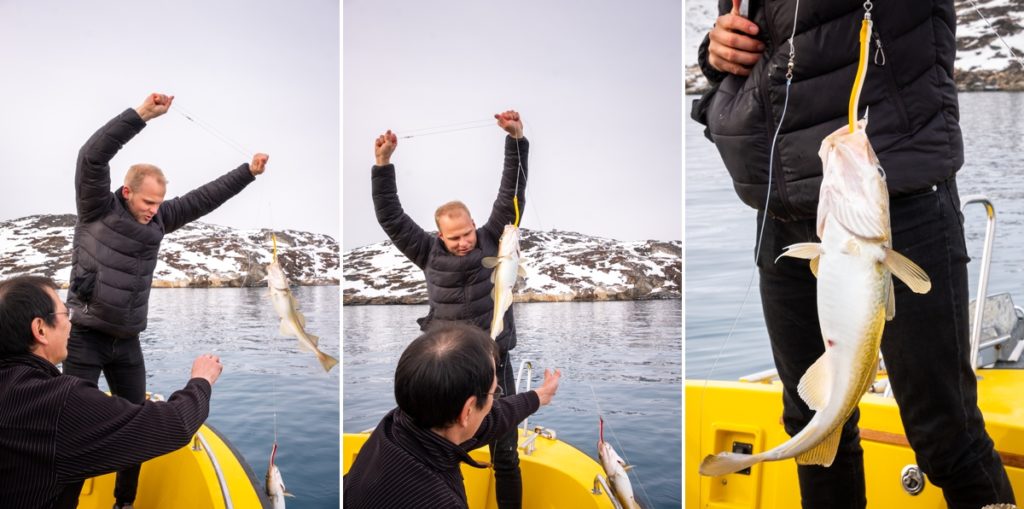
(97, 434)
(178, 212)
(517, 150)
(407, 236)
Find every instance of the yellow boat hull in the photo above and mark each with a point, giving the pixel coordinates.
(205, 474)
(719, 413)
(555, 475)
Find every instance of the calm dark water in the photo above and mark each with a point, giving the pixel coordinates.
(627, 353)
(263, 373)
(720, 236)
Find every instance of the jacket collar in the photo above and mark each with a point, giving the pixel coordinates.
(430, 447)
(30, 360)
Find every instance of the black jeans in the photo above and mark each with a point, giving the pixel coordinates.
(508, 480)
(926, 351)
(120, 360)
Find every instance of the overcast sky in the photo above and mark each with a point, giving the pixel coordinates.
(598, 83)
(264, 73)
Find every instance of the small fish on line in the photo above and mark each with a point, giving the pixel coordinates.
(275, 484)
(506, 271)
(615, 468)
(293, 324)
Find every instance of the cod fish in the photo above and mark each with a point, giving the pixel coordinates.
(615, 468)
(506, 271)
(275, 485)
(854, 264)
(292, 321)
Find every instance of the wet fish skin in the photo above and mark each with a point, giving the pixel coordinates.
(615, 468)
(506, 271)
(854, 264)
(292, 322)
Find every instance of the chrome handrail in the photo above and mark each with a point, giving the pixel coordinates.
(986, 261)
(220, 474)
(600, 481)
(528, 366)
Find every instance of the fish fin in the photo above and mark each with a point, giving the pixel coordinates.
(814, 385)
(327, 361)
(286, 329)
(490, 262)
(521, 271)
(804, 250)
(726, 463)
(890, 303)
(493, 274)
(626, 468)
(907, 271)
(814, 265)
(313, 339)
(291, 299)
(288, 494)
(824, 453)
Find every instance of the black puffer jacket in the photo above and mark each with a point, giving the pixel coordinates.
(113, 255)
(458, 287)
(914, 115)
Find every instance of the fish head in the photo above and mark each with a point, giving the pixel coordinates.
(276, 277)
(853, 184)
(509, 243)
(274, 482)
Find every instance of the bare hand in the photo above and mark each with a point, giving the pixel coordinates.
(548, 389)
(511, 123)
(732, 48)
(208, 367)
(384, 147)
(258, 164)
(154, 106)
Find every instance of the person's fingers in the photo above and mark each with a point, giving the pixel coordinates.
(735, 56)
(736, 23)
(726, 66)
(737, 41)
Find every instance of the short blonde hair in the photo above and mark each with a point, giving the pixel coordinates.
(450, 209)
(138, 172)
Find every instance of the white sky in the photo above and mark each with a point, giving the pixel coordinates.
(598, 83)
(264, 73)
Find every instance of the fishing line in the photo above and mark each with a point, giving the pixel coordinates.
(238, 147)
(444, 129)
(1008, 48)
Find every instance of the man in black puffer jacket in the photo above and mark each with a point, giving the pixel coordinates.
(114, 254)
(914, 128)
(458, 285)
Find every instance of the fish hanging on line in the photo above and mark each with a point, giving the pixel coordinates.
(854, 264)
(275, 484)
(615, 468)
(293, 323)
(506, 271)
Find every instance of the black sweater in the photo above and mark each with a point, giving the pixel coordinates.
(458, 287)
(403, 465)
(56, 431)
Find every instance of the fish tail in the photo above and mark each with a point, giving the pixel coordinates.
(327, 361)
(726, 463)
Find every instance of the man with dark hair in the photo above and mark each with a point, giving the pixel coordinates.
(114, 254)
(915, 131)
(447, 393)
(57, 430)
(458, 285)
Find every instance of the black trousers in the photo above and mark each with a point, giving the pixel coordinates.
(925, 348)
(120, 360)
(508, 480)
